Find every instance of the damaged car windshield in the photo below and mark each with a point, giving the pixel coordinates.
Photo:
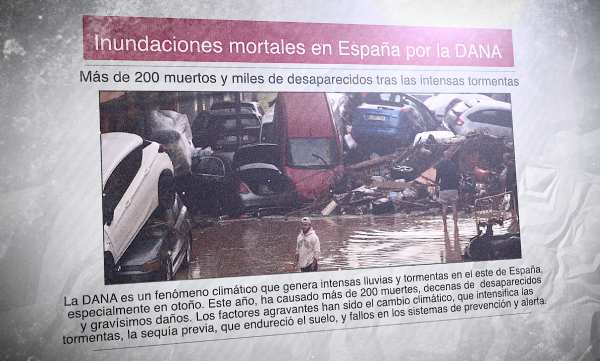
(312, 152)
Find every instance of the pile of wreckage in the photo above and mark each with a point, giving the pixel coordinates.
(404, 181)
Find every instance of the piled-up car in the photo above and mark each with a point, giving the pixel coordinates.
(385, 122)
(137, 180)
(480, 115)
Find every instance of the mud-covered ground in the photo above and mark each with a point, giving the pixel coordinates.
(267, 246)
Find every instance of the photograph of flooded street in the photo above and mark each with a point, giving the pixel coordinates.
(223, 184)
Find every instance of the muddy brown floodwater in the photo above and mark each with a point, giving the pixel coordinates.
(267, 246)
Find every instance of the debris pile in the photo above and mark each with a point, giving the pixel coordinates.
(405, 181)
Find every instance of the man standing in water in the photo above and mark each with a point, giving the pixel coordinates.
(308, 247)
(447, 179)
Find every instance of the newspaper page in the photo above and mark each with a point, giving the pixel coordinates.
(299, 181)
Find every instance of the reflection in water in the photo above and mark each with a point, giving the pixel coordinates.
(267, 246)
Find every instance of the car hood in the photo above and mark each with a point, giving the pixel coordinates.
(257, 153)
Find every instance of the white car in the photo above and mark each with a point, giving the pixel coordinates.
(440, 104)
(137, 179)
(491, 117)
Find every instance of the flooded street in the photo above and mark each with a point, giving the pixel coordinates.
(267, 246)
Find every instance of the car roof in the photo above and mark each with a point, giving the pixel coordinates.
(115, 147)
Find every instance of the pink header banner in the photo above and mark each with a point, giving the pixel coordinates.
(168, 39)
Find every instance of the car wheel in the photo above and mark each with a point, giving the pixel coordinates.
(167, 269)
(166, 190)
(109, 269)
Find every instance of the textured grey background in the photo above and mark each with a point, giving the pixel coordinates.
(50, 231)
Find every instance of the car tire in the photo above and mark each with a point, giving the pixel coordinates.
(166, 272)
(109, 269)
(166, 190)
